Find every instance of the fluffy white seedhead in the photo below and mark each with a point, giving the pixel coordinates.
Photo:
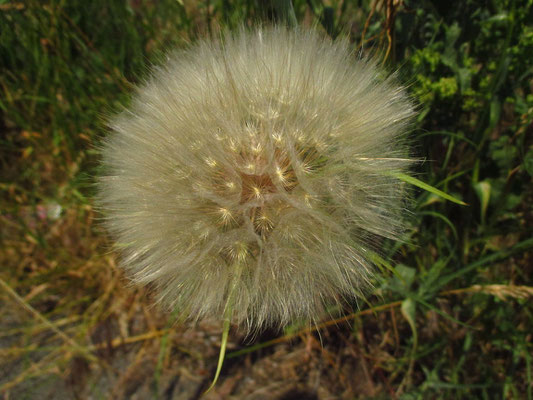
(257, 171)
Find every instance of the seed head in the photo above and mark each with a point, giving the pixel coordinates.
(257, 170)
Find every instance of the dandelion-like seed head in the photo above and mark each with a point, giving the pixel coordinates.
(257, 170)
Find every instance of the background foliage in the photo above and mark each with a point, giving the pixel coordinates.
(454, 320)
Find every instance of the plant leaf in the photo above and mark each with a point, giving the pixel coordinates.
(428, 188)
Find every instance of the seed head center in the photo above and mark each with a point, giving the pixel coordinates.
(255, 187)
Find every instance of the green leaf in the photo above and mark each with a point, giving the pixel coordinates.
(482, 190)
(495, 111)
(445, 219)
(442, 313)
(459, 136)
(286, 13)
(429, 284)
(428, 188)
(382, 264)
(491, 258)
(408, 312)
(403, 279)
(528, 162)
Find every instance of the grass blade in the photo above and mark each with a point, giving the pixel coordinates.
(428, 188)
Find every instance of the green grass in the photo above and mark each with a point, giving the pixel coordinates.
(453, 319)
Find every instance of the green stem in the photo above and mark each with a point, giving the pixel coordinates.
(228, 311)
(223, 344)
